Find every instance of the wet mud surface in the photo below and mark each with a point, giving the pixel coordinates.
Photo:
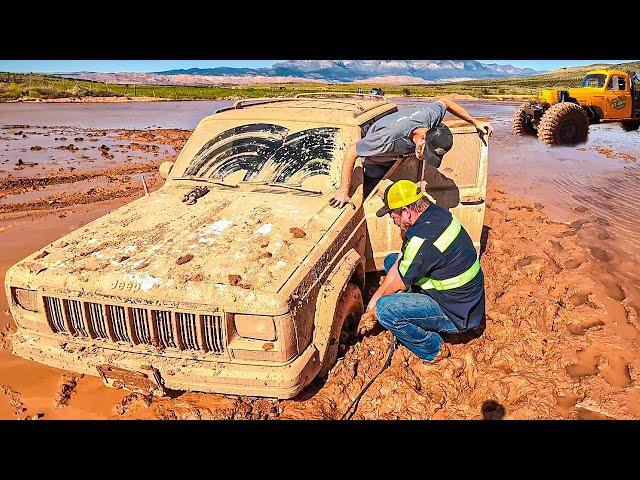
(560, 260)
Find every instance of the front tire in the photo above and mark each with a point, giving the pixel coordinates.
(520, 124)
(349, 309)
(564, 124)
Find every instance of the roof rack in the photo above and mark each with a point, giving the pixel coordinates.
(260, 101)
(367, 96)
(254, 101)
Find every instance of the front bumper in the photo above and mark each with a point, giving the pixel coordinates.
(253, 379)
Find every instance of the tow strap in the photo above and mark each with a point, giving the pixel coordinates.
(346, 415)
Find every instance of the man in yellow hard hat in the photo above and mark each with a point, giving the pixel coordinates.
(435, 285)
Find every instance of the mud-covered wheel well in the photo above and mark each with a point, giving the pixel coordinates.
(593, 113)
(357, 277)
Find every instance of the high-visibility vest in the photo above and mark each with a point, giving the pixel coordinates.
(441, 243)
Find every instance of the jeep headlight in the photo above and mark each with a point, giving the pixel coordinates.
(24, 298)
(258, 327)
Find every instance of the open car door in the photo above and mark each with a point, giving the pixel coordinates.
(459, 185)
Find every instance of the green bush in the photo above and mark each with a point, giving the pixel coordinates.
(44, 92)
(9, 91)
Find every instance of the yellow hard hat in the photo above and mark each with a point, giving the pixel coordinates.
(400, 194)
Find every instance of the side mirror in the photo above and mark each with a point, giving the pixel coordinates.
(165, 169)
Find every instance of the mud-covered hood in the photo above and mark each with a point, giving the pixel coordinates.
(230, 246)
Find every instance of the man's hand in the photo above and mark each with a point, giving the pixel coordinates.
(340, 199)
(367, 322)
(371, 306)
(484, 128)
(423, 185)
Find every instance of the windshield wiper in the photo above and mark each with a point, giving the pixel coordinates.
(253, 182)
(208, 180)
(293, 187)
(279, 184)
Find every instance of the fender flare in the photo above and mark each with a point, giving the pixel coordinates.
(327, 301)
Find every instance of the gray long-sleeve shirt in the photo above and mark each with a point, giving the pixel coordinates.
(390, 136)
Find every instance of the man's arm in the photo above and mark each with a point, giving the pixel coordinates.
(341, 198)
(460, 112)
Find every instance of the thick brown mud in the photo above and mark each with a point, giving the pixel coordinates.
(560, 259)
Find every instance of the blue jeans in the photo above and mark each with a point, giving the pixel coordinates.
(415, 319)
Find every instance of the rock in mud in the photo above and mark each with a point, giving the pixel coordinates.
(297, 232)
(234, 279)
(184, 259)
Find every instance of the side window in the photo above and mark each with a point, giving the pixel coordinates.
(613, 83)
(622, 84)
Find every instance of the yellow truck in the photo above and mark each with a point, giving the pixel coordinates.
(248, 289)
(562, 117)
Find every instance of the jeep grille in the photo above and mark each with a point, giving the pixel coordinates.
(136, 326)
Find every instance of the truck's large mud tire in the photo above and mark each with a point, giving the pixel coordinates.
(564, 124)
(520, 125)
(348, 311)
(630, 125)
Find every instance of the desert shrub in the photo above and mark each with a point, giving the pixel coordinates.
(9, 91)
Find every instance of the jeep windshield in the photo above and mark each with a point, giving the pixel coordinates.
(266, 154)
(595, 80)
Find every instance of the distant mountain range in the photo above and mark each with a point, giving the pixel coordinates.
(329, 71)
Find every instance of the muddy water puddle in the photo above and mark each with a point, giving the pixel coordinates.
(115, 115)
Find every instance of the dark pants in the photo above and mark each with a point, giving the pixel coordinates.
(415, 319)
(373, 173)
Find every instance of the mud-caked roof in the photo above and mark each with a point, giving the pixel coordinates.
(606, 72)
(330, 110)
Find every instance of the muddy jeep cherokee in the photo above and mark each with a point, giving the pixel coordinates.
(251, 289)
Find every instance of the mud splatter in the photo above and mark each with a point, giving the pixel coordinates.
(66, 387)
(297, 232)
(184, 259)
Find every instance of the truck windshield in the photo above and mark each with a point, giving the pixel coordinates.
(266, 153)
(595, 80)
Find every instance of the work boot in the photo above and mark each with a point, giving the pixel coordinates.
(442, 354)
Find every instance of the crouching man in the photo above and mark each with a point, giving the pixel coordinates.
(435, 285)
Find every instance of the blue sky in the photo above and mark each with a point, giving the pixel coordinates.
(62, 66)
